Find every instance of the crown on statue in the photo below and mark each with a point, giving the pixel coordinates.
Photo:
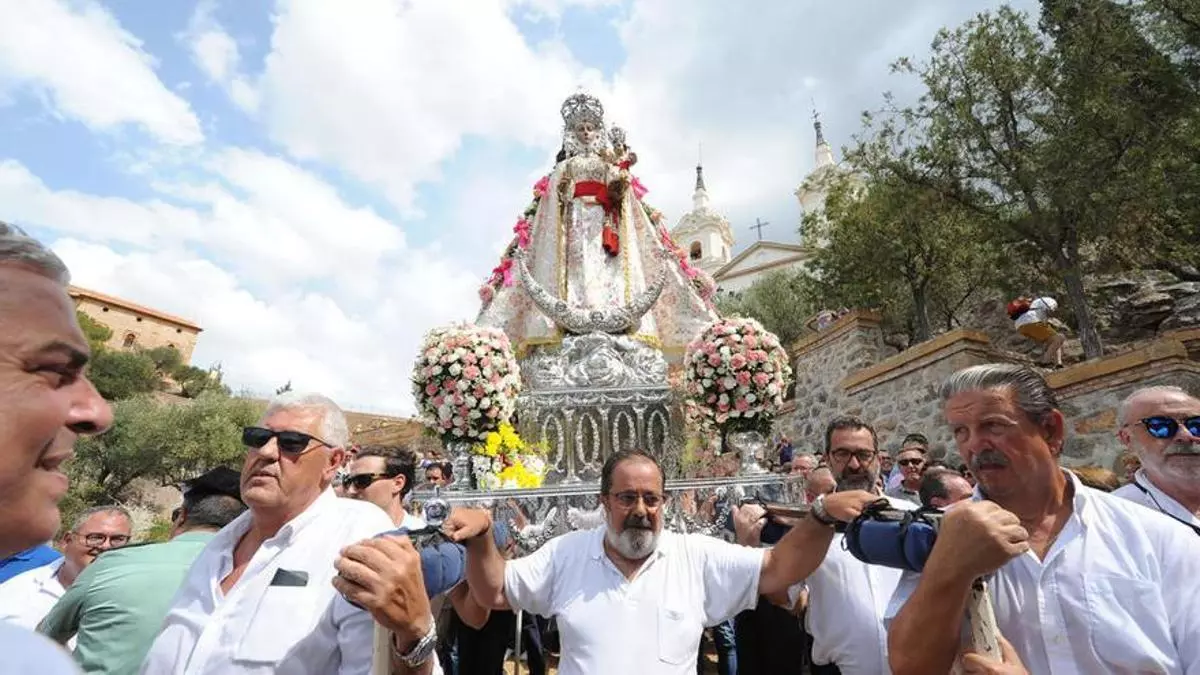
(582, 108)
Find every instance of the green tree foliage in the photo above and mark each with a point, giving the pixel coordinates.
(780, 301)
(120, 375)
(905, 250)
(167, 360)
(194, 382)
(164, 442)
(1057, 139)
(96, 333)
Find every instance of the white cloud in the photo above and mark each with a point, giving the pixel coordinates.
(90, 69)
(216, 53)
(388, 90)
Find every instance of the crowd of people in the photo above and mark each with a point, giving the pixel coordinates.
(273, 570)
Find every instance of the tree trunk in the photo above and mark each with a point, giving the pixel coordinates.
(1085, 325)
(922, 329)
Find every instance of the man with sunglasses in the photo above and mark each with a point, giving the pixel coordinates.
(630, 597)
(1162, 426)
(911, 461)
(27, 598)
(384, 476)
(260, 597)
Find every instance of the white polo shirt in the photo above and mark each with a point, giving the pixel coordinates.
(1118, 592)
(650, 625)
(847, 600)
(1150, 496)
(27, 598)
(273, 619)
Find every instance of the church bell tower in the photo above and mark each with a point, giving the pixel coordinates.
(704, 233)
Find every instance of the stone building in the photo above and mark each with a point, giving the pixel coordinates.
(847, 368)
(703, 232)
(134, 325)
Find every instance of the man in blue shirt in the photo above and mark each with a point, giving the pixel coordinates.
(30, 558)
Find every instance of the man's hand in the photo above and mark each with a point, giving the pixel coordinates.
(383, 576)
(974, 664)
(846, 506)
(748, 523)
(464, 523)
(977, 539)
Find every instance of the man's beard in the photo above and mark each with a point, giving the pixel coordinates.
(862, 479)
(1179, 460)
(636, 541)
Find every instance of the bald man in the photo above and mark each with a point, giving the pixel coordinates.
(1161, 425)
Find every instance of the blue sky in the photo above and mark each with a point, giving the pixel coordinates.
(318, 184)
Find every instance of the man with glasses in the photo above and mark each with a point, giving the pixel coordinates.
(911, 462)
(260, 597)
(27, 598)
(630, 597)
(384, 476)
(1162, 426)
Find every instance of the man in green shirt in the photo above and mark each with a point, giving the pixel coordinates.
(117, 604)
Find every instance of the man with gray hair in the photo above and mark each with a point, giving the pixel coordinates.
(260, 599)
(1162, 426)
(1081, 581)
(46, 403)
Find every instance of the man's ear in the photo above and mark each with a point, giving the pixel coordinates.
(401, 482)
(1054, 430)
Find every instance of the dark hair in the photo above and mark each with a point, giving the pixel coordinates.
(397, 461)
(915, 438)
(610, 465)
(209, 509)
(850, 422)
(444, 467)
(933, 485)
(1030, 391)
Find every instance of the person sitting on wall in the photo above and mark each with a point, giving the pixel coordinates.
(1031, 318)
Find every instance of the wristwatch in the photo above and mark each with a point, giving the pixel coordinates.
(819, 514)
(420, 652)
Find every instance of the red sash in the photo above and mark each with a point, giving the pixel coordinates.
(608, 237)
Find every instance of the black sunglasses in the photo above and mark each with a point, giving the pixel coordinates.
(1166, 427)
(916, 461)
(362, 481)
(291, 442)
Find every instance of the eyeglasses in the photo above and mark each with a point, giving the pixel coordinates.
(362, 481)
(630, 498)
(916, 461)
(98, 539)
(291, 442)
(1163, 427)
(863, 456)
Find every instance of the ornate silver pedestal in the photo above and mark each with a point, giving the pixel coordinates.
(594, 395)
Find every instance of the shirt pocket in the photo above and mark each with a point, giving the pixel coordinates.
(1127, 625)
(283, 617)
(678, 638)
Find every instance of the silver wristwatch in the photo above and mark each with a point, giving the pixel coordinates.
(420, 652)
(817, 509)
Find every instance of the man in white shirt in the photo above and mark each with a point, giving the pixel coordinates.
(46, 403)
(1162, 426)
(1081, 581)
(629, 597)
(846, 597)
(384, 476)
(260, 598)
(1031, 318)
(27, 598)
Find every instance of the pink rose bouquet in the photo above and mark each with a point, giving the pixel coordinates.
(736, 373)
(465, 381)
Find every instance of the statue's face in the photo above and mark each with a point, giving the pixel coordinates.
(587, 132)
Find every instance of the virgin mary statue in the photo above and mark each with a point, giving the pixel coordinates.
(589, 242)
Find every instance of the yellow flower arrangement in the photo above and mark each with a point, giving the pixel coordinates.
(505, 460)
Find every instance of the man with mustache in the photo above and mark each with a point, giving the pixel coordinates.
(261, 596)
(1081, 581)
(629, 597)
(46, 403)
(846, 597)
(1162, 426)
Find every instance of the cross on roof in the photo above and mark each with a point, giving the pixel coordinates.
(759, 225)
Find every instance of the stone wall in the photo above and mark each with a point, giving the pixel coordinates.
(845, 369)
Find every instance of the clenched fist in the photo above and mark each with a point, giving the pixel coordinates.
(465, 523)
(846, 506)
(383, 576)
(976, 539)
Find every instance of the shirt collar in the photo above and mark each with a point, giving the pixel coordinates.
(233, 532)
(1080, 502)
(1168, 503)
